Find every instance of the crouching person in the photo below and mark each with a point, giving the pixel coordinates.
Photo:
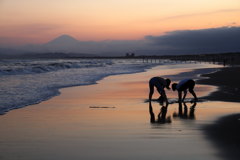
(160, 83)
(183, 86)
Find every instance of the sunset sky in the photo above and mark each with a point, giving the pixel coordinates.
(38, 21)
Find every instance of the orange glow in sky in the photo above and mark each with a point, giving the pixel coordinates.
(38, 21)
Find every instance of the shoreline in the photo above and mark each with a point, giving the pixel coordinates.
(55, 91)
(47, 92)
(227, 81)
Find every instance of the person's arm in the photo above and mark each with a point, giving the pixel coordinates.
(194, 95)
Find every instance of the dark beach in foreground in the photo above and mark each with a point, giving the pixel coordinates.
(225, 132)
(225, 136)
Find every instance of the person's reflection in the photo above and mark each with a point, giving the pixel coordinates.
(184, 113)
(161, 118)
(192, 111)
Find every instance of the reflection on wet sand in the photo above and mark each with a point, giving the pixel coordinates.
(224, 134)
(185, 114)
(66, 128)
(161, 118)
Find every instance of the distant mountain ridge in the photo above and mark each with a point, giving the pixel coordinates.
(63, 43)
(64, 46)
(69, 45)
(66, 43)
(179, 42)
(63, 39)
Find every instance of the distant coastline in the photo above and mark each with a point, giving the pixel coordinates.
(229, 58)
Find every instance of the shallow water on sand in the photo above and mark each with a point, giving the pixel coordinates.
(111, 120)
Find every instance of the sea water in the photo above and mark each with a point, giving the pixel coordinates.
(25, 82)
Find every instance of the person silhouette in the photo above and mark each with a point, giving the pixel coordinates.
(160, 83)
(183, 86)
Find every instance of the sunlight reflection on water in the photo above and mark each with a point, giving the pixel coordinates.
(66, 128)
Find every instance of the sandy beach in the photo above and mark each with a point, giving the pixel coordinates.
(227, 80)
(111, 120)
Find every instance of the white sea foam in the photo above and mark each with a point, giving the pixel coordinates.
(25, 82)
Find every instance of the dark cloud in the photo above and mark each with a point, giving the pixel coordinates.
(224, 39)
(213, 40)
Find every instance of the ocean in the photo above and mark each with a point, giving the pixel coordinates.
(26, 82)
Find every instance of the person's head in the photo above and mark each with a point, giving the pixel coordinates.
(174, 86)
(168, 83)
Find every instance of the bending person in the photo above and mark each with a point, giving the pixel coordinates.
(183, 86)
(160, 84)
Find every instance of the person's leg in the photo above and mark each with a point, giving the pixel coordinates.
(160, 99)
(191, 87)
(162, 93)
(185, 94)
(151, 91)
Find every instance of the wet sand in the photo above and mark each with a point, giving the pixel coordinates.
(225, 131)
(110, 120)
(228, 81)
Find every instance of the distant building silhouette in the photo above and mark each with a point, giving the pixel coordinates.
(130, 55)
